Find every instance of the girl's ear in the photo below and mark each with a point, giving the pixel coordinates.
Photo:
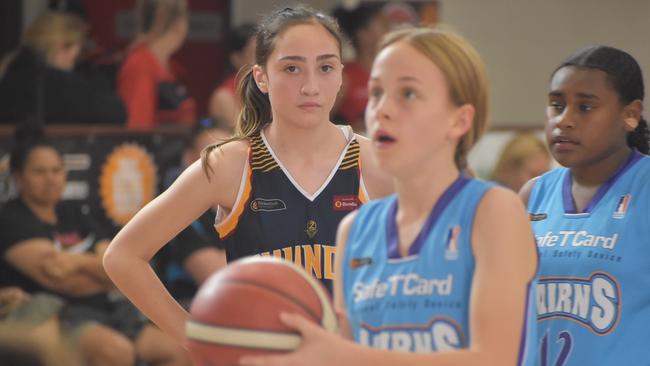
(260, 78)
(632, 115)
(463, 120)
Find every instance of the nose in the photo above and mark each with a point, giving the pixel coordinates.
(564, 120)
(310, 85)
(384, 108)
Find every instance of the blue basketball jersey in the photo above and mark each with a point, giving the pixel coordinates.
(593, 296)
(417, 303)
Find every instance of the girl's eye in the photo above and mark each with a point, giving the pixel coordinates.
(586, 107)
(291, 69)
(375, 92)
(327, 68)
(555, 105)
(409, 94)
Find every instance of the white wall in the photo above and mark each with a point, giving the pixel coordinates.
(523, 41)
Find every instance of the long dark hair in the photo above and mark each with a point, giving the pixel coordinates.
(256, 106)
(625, 76)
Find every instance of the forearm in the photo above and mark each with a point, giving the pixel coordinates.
(137, 281)
(91, 265)
(80, 285)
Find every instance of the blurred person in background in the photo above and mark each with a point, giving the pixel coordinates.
(523, 158)
(364, 26)
(37, 82)
(50, 246)
(196, 252)
(147, 80)
(241, 52)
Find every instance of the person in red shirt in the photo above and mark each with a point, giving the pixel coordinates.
(147, 82)
(364, 26)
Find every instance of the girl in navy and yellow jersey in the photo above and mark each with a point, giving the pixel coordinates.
(282, 183)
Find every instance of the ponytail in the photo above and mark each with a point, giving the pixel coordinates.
(255, 112)
(640, 138)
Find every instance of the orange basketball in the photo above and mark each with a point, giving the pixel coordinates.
(236, 311)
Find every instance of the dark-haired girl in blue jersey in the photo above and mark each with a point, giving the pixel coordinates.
(591, 217)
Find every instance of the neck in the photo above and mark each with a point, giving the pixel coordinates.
(597, 173)
(419, 191)
(289, 139)
(44, 212)
(161, 50)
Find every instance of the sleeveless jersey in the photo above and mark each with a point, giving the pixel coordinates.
(417, 303)
(593, 296)
(274, 216)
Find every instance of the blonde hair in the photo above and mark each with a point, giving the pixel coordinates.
(464, 72)
(155, 17)
(515, 153)
(52, 31)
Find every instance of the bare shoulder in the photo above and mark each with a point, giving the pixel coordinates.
(524, 192)
(500, 201)
(378, 183)
(219, 176)
(230, 155)
(501, 226)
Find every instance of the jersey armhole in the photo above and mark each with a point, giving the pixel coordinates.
(227, 222)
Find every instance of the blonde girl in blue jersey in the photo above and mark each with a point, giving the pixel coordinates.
(287, 95)
(590, 217)
(427, 107)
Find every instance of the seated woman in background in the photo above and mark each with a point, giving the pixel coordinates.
(147, 82)
(37, 82)
(241, 51)
(50, 246)
(523, 158)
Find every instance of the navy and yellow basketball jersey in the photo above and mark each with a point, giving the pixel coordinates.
(274, 216)
(593, 296)
(421, 302)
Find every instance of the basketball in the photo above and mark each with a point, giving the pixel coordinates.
(236, 311)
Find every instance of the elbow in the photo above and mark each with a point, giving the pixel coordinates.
(110, 261)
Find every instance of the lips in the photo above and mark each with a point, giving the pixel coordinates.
(382, 138)
(561, 139)
(309, 106)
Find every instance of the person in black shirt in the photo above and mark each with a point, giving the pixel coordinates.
(38, 83)
(48, 245)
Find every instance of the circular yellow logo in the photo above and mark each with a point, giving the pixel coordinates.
(127, 182)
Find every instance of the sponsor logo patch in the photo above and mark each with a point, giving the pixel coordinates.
(263, 204)
(360, 262)
(345, 203)
(537, 216)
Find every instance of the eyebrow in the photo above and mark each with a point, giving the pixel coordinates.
(304, 59)
(579, 95)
